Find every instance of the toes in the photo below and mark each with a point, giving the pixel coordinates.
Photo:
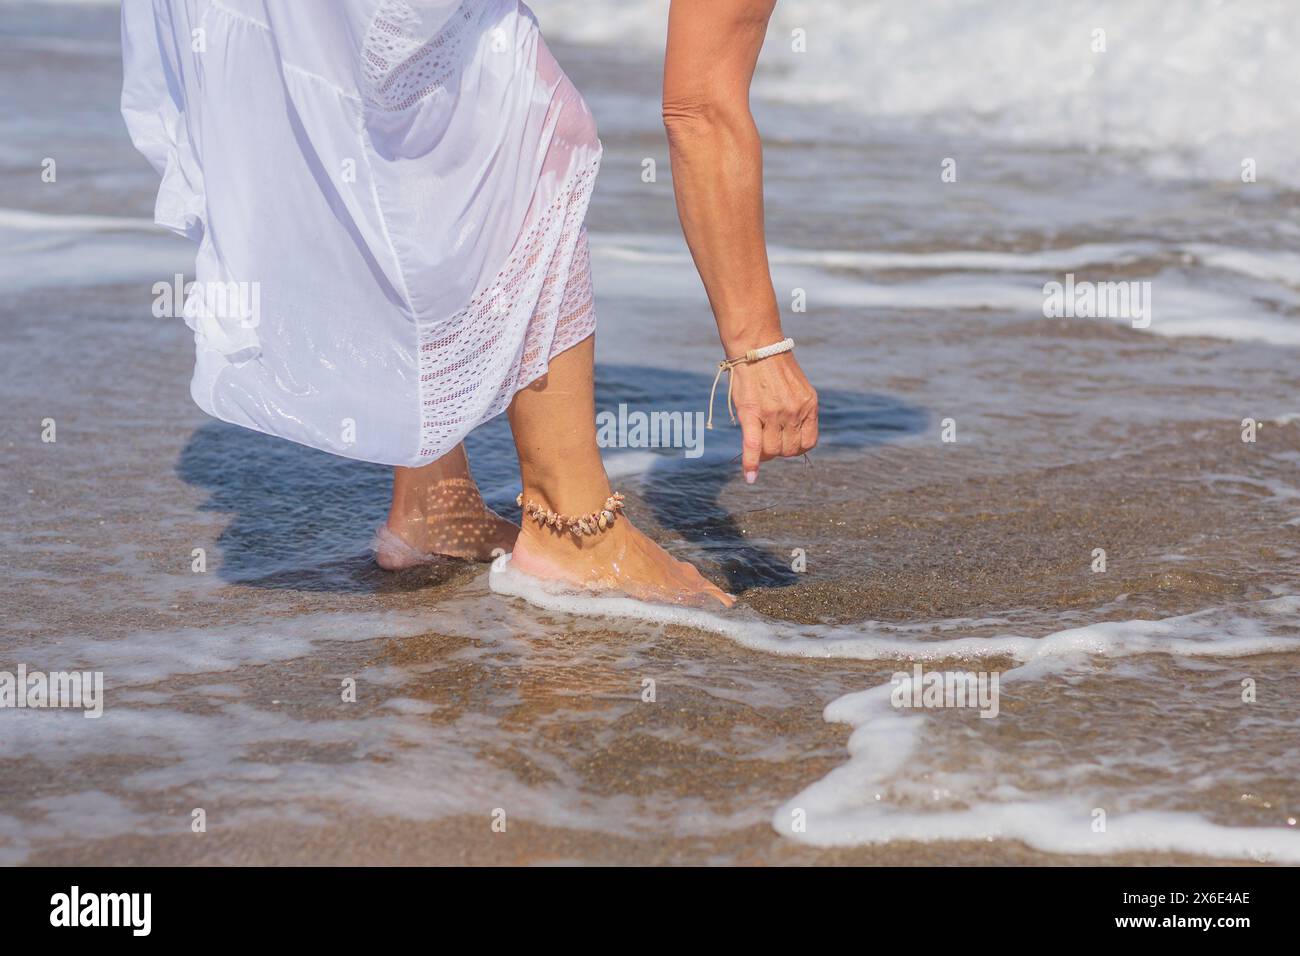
(699, 584)
(726, 599)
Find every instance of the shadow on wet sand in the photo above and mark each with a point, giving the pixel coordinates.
(298, 514)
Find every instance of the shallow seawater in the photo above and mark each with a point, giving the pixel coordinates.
(1155, 696)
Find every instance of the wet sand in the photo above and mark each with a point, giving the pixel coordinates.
(903, 534)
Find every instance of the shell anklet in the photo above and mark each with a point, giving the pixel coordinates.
(593, 523)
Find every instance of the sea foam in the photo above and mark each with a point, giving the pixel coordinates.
(863, 801)
(1193, 93)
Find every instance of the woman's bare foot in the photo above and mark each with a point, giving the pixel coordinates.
(620, 559)
(554, 424)
(460, 526)
(437, 511)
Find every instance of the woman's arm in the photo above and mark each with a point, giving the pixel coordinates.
(717, 162)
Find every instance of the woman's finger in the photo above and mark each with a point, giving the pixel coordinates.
(751, 427)
(791, 439)
(808, 433)
(771, 439)
(810, 429)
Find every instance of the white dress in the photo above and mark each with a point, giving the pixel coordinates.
(388, 197)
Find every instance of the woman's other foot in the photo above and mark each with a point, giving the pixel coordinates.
(447, 518)
(479, 539)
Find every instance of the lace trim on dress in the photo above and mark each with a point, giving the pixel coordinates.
(400, 65)
(460, 357)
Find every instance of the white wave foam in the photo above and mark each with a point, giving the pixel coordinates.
(48, 250)
(1200, 290)
(847, 807)
(1211, 633)
(150, 656)
(1196, 91)
(26, 220)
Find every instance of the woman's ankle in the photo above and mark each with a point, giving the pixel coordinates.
(571, 480)
(446, 498)
(417, 490)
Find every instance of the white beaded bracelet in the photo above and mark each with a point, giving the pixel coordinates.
(726, 365)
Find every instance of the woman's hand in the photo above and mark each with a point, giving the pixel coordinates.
(777, 410)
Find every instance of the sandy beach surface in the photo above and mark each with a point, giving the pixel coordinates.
(1160, 690)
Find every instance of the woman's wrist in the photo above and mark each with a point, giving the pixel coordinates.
(737, 340)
